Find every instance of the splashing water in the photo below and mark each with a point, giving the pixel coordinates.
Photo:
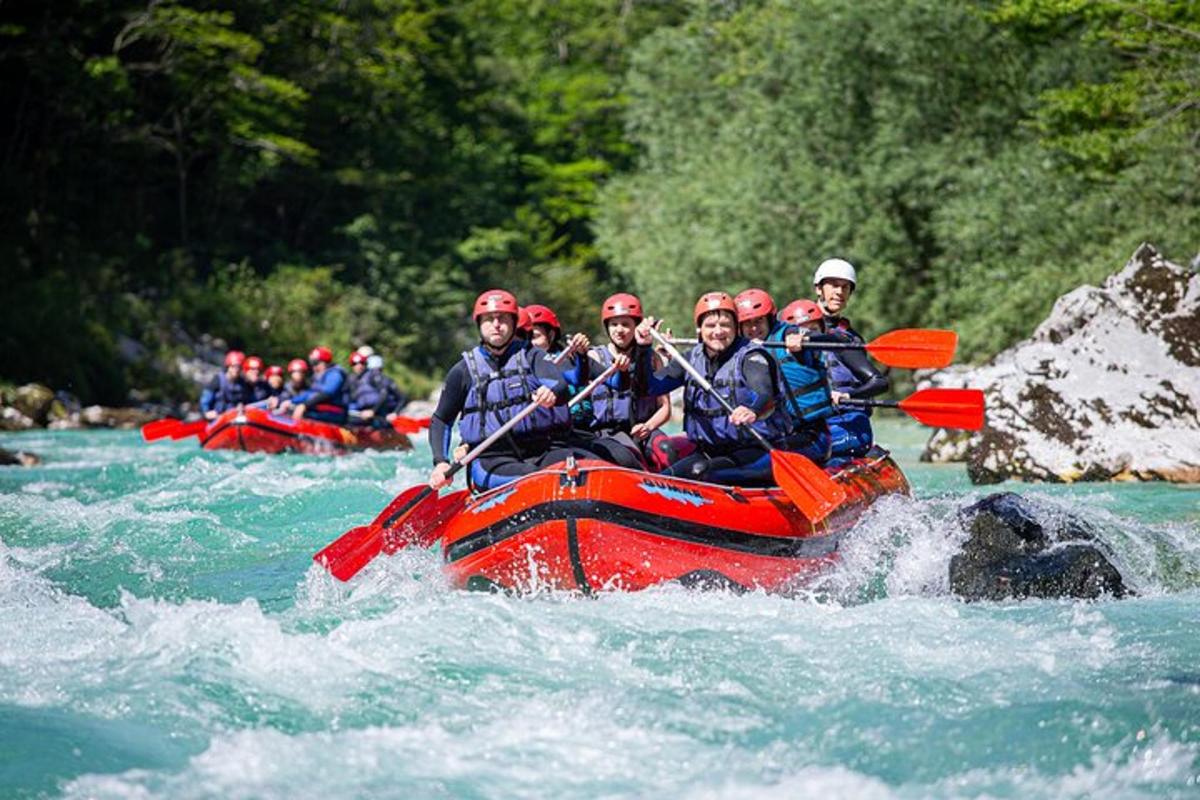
(166, 635)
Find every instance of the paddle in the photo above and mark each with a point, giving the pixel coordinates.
(186, 429)
(399, 424)
(937, 408)
(159, 429)
(805, 484)
(417, 510)
(907, 348)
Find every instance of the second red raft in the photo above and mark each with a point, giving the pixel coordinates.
(256, 430)
(592, 526)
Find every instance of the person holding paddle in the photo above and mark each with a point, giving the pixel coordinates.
(851, 373)
(488, 387)
(746, 377)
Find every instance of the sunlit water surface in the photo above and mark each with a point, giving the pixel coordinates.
(163, 633)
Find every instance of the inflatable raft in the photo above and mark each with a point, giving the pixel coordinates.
(592, 526)
(255, 430)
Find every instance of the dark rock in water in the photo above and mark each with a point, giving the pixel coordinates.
(1011, 554)
(20, 458)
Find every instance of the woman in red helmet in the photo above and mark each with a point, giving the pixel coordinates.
(747, 376)
(252, 372)
(623, 419)
(228, 389)
(296, 385)
(275, 378)
(325, 399)
(487, 387)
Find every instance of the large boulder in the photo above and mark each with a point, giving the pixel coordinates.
(124, 418)
(1107, 388)
(1011, 554)
(20, 458)
(33, 401)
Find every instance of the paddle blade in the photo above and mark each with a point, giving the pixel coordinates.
(806, 484)
(410, 424)
(403, 519)
(915, 348)
(186, 429)
(946, 408)
(427, 530)
(351, 551)
(159, 429)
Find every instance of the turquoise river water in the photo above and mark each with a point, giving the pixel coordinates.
(164, 633)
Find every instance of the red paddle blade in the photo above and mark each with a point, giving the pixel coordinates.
(946, 408)
(410, 424)
(915, 348)
(405, 517)
(806, 484)
(426, 531)
(186, 429)
(159, 429)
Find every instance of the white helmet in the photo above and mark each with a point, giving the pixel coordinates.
(835, 268)
(374, 361)
(366, 350)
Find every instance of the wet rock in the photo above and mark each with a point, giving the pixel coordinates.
(1107, 388)
(124, 418)
(33, 400)
(1016, 551)
(13, 420)
(21, 458)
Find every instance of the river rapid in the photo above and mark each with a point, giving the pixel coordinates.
(164, 633)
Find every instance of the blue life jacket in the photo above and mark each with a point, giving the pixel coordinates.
(805, 381)
(373, 390)
(705, 420)
(497, 395)
(223, 394)
(331, 383)
(614, 404)
(841, 377)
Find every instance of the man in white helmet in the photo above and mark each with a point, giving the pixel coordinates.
(852, 376)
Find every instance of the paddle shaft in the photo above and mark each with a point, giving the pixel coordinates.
(704, 384)
(807, 345)
(864, 403)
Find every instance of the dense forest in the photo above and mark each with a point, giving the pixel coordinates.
(344, 171)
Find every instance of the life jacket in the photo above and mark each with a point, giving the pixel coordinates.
(261, 390)
(331, 383)
(841, 378)
(290, 391)
(226, 394)
(706, 421)
(622, 408)
(368, 389)
(497, 395)
(805, 387)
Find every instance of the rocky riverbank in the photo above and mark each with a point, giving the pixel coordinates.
(37, 406)
(1107, 388)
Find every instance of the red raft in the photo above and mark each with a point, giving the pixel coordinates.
(255, 430)
(595, 527)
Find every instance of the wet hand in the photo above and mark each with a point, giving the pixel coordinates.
(640, 431)
(742, 416)
(298, 411)
(544, 396)
(368, 413)
(579, 343)
(641, 334)
(210, 415)
(437, 478)
(460, 452)
(839, 397)
(621, 362)
(795, 342)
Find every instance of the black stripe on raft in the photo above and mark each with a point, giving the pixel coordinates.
(573, 553)
(645, 522)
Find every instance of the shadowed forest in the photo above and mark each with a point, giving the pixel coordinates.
(349, 171)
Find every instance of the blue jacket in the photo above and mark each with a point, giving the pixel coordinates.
(328, 389)
(376, 391)
(222, 394)
(805, 381)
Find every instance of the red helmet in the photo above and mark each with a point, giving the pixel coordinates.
(495, 300)
(523, 323)
(541, 315)
(800, 312)
(752, 304)
(253, 362)
(234, 358)
(276, 370)
(621, 305)
(713, 301)
(297, 365)
(319, 353)
(357, 358)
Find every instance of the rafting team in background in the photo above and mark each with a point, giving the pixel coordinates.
(797, 399)
(317, 388)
